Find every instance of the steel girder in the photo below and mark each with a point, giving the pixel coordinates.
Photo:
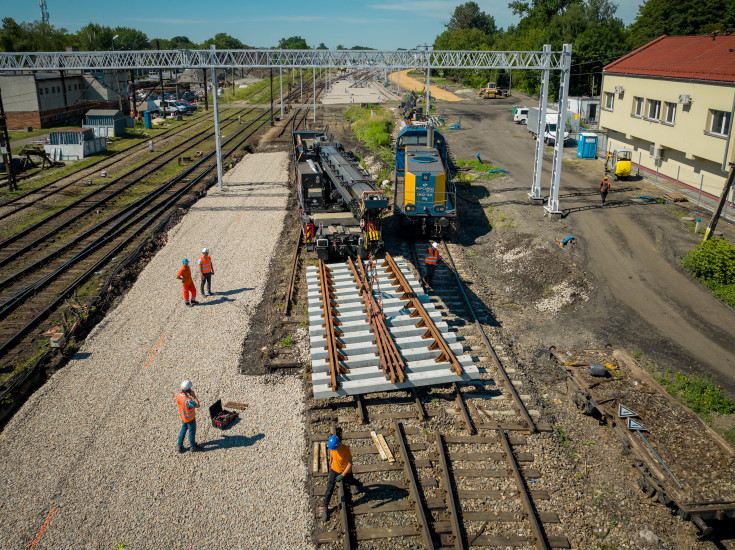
(201, 59)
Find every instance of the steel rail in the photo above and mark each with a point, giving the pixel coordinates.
(145, 168)
(536, 529)
(413, 485)
(110, 161)
(450, 497)
(96, 165)
(334, 356)
(170, 201)
(498, 365)
(463, 409)
(292, 278)
(399, 280)
(343, 502)
(391, 361)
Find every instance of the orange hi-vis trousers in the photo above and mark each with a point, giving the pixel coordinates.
(190, 289)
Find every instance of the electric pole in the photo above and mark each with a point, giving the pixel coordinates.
(720, 204)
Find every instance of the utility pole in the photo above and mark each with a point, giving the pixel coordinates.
(217, 139)
(132, 94)
(160, 76)
(271, 96)
(720, 204)
(206, 93)
(7, 154)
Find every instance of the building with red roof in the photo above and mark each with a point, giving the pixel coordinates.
(671, 102)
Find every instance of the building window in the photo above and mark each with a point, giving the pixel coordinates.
(638, 106)
(609, 100)
(670, 113)
(654, 109)
(46, 90)
(40, 91)
(719, 122)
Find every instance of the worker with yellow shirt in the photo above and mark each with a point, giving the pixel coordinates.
(341, 470)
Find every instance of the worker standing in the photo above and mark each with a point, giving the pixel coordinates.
(604, 189)
(187, 402)
(340, 458)
(206, 270)
(189, 289)
(432, 258)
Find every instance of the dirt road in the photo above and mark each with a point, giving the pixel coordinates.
(641, 297)
(409, 83)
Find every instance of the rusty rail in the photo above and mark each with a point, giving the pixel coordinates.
(451, 500)
(536, 529)
(414, 486)
(399, 280)
(391, 361)
(498, 365)
(331, 332)
(292, 279)
(463, 409)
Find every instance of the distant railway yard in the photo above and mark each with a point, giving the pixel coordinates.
(380, 275)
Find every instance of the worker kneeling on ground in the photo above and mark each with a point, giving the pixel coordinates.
(187, 401)
(340, 458)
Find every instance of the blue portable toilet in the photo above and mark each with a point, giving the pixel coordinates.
(147, 119)
(587, 145)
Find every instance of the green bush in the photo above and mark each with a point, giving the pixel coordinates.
(699, 393)
(713, 261)
(373, 131)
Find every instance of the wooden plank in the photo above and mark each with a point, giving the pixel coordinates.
(386, 449)
(392, 415)
(369, 468)
(485, 472)
(509, 517)
(325, 538)
(315, 465)
(498, 456)
(507, 426)
(319, 490)
(323, 453)
(378, 507)
(381, 452)
(371, 533)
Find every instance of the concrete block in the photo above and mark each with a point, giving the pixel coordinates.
(374, 371)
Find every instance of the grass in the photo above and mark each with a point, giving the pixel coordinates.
(286, 341)
(16, 135)
(373, 131)
(498, 218)
(699, 392)
(479, 170)
(43, 347)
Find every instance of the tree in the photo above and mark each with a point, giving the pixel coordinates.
(469, 16)
(292, 43)
(182, 43)
(680, 17)
(321, 46)
(130, 39)
(94, 37)
(223, 41)
(11, 35)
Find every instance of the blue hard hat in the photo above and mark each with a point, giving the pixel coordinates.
(333, 442)
(184, 261)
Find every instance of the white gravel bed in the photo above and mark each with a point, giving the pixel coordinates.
(98, 441)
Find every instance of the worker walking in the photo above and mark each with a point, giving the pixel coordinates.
(340, 458)
(432, 258)
(604, 189)
(206, 270)
(187, 402)
(189, 289)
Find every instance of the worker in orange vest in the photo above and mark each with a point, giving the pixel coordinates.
(604, 188)
(432, 258)
(340, 458)
(185, 275)
(206, 270)
(187, 402)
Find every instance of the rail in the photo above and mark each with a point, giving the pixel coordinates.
(334, 356)
(498, 365)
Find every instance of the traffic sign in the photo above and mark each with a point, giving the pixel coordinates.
(625, 412)
(635, 425)
(362, 224)
(321, 226)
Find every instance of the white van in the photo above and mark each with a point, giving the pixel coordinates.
(521, 115)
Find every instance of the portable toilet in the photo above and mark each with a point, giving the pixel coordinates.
(147, 119)
(587, 145)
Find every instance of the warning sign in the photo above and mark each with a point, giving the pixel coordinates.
(635, 425)
(362, 224)
(625, 412)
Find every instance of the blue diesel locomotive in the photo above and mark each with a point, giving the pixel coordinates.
(425, 194)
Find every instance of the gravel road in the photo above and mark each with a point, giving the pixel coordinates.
(97, 443)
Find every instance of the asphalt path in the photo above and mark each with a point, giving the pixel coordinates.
(632, 250)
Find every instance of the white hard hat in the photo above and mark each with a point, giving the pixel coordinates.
(186, 385)
(205, 251)
(435, 245)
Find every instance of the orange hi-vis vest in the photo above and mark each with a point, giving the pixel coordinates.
(185, 413)
(206, 263)
(604, 186)
(433, 256)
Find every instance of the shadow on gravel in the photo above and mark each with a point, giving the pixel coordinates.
(230, 441)
(379, 494)
(610, 204)
(221, 297)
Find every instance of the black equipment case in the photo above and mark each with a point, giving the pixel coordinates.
(221, 418)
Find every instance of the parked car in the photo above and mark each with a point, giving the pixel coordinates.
(186, 105)
(521, 115)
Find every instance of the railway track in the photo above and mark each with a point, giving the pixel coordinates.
(34, 244)
(35, 293)
(463, 470)
(55, 186)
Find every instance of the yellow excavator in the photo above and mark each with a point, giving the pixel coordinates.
(490, 91)
(619, 162)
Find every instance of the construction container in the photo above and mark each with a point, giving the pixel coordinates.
(587, 145)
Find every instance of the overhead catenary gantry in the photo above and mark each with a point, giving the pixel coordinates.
(545, 61)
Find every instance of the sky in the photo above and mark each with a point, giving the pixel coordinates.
(379, 24)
